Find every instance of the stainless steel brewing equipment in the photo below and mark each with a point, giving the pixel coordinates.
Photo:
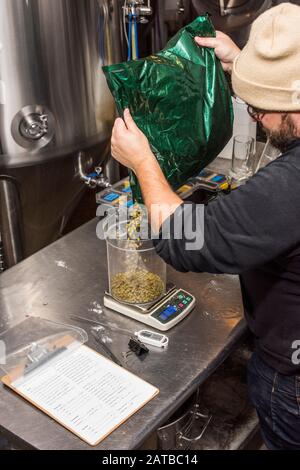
(54, 103)
(234, 17)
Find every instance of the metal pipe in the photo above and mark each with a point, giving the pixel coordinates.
(222, 8)
(11, 226)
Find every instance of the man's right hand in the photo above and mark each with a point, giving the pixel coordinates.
(225, 49)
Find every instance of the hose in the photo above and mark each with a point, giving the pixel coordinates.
(132, 35)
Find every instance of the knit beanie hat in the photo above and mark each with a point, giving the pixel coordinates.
(266, 74)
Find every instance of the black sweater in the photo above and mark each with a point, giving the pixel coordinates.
(255, 232)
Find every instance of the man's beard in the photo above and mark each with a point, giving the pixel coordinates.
(285, 136)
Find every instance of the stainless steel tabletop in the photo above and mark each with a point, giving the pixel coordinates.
(70, 277)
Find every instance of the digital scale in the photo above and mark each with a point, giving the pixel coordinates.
(176, 303)
(120, 194)
(162, 314)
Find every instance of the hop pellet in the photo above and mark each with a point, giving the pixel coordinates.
(137, 287)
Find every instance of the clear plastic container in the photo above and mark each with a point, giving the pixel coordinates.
(137, 275)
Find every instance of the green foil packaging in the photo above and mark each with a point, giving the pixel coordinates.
(180, 99)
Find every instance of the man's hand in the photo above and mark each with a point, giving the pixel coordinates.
(129, 145)
(225, 49)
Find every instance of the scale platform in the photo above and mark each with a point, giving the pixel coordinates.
(163, 314)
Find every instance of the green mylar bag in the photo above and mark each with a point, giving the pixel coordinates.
(180, 99)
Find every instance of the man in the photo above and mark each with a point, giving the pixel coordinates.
(255, 230)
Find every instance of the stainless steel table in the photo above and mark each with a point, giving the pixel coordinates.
(70, 277)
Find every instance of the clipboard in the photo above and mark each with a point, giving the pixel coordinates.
(44, 373)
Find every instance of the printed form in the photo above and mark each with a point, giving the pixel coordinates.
(85, 392)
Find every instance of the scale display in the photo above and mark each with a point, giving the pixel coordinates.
(163, 315)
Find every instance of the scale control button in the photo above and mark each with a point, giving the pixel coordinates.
(111, 197)
(163, 316)
(188, 299)
(180, 296)
(181, 305)
(184, 301)
(169, 310)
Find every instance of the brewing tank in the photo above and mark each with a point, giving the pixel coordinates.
(234, 17)
(54, 105)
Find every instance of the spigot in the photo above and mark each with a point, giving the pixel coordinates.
(93, 180)
(101, 179)
(96, 179)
